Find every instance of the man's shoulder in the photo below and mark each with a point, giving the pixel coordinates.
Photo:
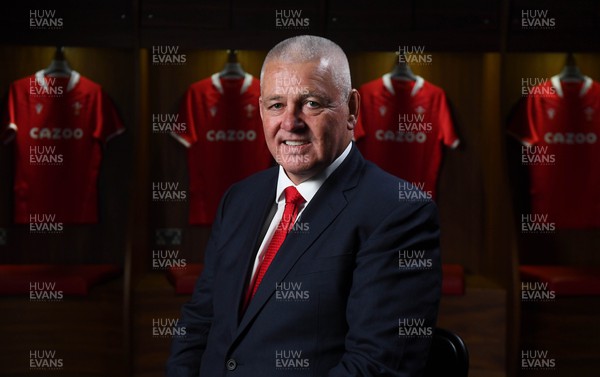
(256, 182)
(380, 186)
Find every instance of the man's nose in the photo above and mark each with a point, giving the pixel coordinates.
(292, 120)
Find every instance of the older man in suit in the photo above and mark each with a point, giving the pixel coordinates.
(319, 266)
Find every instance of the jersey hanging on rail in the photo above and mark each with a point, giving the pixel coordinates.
(224, 137)
(558, 124)
(59, 126)
(402, 126)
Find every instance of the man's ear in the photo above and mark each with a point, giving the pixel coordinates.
(260, 107)
(353, 108)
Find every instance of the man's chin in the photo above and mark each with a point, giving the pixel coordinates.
(296, 169)
(294, 160)
(299, 173)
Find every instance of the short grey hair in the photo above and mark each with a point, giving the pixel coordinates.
(305, 48)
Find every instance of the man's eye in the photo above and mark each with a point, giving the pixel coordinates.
(313, 104)
(276, 106)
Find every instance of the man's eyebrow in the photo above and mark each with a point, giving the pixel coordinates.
(318, 95)
(312, 94)
(274, 98)
(321, 97)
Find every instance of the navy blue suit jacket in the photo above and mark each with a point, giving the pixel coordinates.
(353, 290)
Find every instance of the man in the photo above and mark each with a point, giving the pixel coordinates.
(310, 268)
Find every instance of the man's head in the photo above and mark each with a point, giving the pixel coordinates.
(307, 104)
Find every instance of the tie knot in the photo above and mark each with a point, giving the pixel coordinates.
(293, 196)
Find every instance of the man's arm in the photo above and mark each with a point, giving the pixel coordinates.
(393, 303)
(197, 314)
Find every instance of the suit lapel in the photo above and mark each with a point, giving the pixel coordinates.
(327, 204)
(263, 198)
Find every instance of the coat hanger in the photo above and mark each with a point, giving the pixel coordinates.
(571, 73)
(402, 71)
(59, 67)
(233, 68)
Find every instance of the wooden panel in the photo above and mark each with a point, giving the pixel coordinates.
(374, 15)
(557, 25)
(567, 329)
(185, 14)
(467, 26)
(479, 317)
(154, 300)
(86, 333)
(457, 15)
(101, 23)
(277, 17)
(363, 26)
(573, 16)
(182, 22)
(460, 183)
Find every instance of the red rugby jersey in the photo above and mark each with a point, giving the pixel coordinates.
(402, 126)
(59, 125)
(225, 138)
(558, 124)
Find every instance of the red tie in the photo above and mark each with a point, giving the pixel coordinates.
(293, 199)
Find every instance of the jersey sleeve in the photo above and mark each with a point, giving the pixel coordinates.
(108, 122)
(186, 136)
(519, 124)
(359, 129)
(448, 134)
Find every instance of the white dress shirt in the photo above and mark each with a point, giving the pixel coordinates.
(307, 189)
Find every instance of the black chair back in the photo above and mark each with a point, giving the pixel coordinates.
(448, 356)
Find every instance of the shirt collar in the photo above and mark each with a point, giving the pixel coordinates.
(309, 188)
(40, 77)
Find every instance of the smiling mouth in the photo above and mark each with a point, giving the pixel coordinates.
(295, 143)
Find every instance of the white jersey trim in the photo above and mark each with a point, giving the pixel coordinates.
(587, 84)
(73, 79)
(13, 134)
(216, 81)
(180, 139)
(524, 142)
(246, 84)
(387, 83)
(114, 134)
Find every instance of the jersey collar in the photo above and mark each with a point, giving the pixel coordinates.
(73, 79)
(587, 84)
(387, 83)
(245, 85)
